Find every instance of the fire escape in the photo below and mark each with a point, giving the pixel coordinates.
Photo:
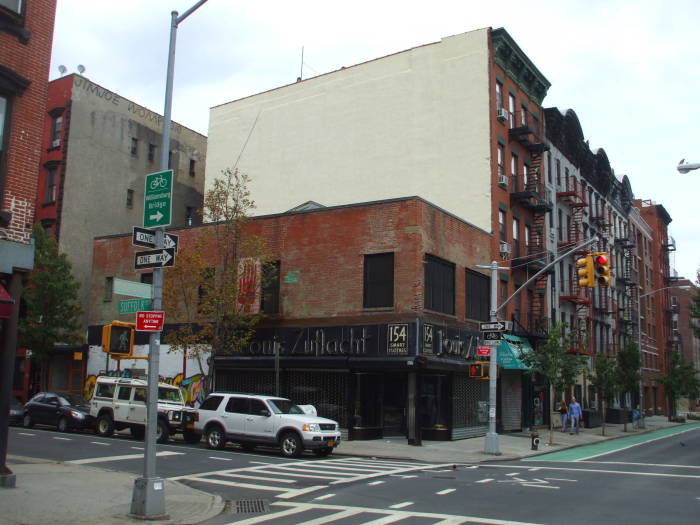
(574, 196)
(630, 281)
(528, 191)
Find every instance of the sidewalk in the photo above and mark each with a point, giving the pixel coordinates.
(61, 494)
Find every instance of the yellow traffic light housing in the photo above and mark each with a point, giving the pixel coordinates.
(602, 268)
(586, 272)
(118, 339)
(479, 370)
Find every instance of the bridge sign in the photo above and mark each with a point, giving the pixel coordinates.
(158, 202)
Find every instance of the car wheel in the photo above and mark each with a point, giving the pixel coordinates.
(323, 452)
(137, 432)
(162, 432)
(216, 438)
(105, 425)
(62, 425)
(191, 437)
(27, 422)
(291, 445)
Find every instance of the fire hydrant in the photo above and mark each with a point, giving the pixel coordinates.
(534, 439)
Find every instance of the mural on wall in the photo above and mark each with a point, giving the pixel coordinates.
(192, 387)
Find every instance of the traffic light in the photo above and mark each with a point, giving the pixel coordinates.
(586, 276)
(479, 370)
(118, 339)
(602, 268)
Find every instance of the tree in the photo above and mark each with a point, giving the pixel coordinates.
(681, 379)
(605, 381)
(52, 311)
(555, 363)
(628, 364)
(213, 293)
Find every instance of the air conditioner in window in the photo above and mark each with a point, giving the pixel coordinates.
(502, 114)
(504, 249)
(56, 143)
(503, 179)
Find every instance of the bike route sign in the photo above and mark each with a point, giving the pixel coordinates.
(157, 201)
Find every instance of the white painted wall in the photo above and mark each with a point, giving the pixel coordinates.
(412, 123)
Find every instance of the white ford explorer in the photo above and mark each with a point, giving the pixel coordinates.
(251, 420)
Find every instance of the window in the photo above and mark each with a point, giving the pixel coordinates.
(439, 285)
(511, 110)
(56, 127)
(50, 194)
(170, 159)
(238, 405)
(525, 173)
(134, 146)
(192, 165)
(527, 235)
(4, 127)
(206, 282)
(378, 281)
(477, 295)
(516, 237)
(560, 225)
(549, 167)
(147, 278)
(189, 213)
(499, 95)
(257, 407)
(501, 160)
(151, 152)
(124, 393)
(140, 395)
(129, 198)
(104, 390)
(211, 403)
(502, 225)
(270, 300)
(513, 166)
(557, 164)
(109, 288)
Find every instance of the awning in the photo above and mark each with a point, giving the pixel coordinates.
(6, 302)
(509, 352)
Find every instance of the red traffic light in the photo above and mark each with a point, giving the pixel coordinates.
(601, 259)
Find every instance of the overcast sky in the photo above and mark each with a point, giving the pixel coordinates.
(629, 69)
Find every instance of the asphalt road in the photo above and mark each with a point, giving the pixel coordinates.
(642, 479)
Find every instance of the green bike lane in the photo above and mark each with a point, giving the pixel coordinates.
(589, 451)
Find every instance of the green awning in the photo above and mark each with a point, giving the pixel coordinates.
(509, 352)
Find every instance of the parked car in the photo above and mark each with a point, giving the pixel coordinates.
(251, 420)
(118, 403)
(16, 412)
(65, 411)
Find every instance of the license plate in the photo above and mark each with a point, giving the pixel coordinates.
(189, 425)
(330, 443)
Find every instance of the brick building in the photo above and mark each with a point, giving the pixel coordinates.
(26, 32)
(375, 312)
(685, 340)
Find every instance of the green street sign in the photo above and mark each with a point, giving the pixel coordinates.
(132, 288)
(158, 202)
(131, 306)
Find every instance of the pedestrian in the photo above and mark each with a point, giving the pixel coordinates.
(574, 415)
(563, 411)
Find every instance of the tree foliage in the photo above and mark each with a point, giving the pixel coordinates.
(51, 309)
(605, 380)
(213, 291)
(628, 364)
(681, 379)
(554, 362)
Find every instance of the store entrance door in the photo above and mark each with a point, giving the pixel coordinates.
(394, 405)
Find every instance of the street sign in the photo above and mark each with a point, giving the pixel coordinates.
(131, 306)
(158, 202)
(133, 289)
(496, 326)
(483, 351)
(154, 259)
(147, 238)
(492, 336)
(149, 321)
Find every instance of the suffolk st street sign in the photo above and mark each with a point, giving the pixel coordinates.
(154, 259)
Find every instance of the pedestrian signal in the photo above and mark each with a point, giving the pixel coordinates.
(479, 370)
(602, 268)
(118, 339)
(585, 272)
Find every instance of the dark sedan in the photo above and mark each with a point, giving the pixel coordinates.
(65, 411)
(16, 411)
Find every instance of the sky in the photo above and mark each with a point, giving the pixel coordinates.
(629, 69)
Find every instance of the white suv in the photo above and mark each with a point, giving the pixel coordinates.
(251, 420)
(118, 403)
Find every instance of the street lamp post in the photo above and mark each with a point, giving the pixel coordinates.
(148, 496)
(639, 345)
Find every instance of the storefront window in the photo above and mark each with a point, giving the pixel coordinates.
(366, 409)
(433, 407)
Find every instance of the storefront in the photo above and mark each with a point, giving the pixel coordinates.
(516, 387)
(396, 379)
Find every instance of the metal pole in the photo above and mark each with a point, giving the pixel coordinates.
(148, 497)
(491, 445)
(641, 361)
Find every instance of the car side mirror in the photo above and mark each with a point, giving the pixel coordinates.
(265, 412)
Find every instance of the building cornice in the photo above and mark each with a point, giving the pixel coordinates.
(516, 64)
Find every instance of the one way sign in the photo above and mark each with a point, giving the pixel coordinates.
(147, 238)
(154, 259)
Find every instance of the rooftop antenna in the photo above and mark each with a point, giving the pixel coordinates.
(301, 67)
(81, 69)
(62, 69)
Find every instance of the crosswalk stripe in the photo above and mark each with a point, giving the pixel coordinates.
(120, 458)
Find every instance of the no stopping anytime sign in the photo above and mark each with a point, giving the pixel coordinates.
(149, 321)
